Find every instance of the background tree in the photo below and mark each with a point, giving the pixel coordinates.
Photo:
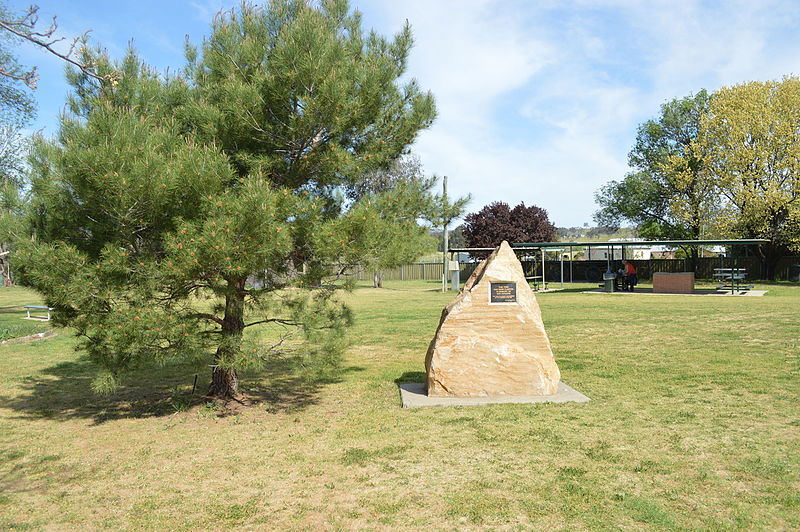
(23, 27)
(445, 210)
(750, 145)
(16, 102)
(666, 195)
(172, 214)
(12, 181)
(405, 172)
(405, 169)
(16, 110)
(456, 238)
(497, 222)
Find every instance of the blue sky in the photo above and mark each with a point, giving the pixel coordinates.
(538, 100)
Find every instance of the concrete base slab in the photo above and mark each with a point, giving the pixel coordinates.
(697, 292)
(414, 395)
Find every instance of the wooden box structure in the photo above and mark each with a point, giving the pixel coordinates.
(673, 283)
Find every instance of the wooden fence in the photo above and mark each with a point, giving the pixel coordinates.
(427, 271)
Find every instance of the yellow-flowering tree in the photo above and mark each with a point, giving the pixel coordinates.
(750, 143)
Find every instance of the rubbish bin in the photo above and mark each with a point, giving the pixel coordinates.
(608, 281)
(794, 273)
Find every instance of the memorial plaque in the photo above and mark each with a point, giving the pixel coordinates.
(503, 292)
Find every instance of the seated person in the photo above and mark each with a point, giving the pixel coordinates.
(619, 280)
(630, 276)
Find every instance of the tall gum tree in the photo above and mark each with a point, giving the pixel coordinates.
(666, 194)
(172, 214)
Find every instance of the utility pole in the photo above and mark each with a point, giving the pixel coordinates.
(445, 264)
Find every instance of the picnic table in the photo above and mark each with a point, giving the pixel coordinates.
(536, 280)
(29, 308)
(731, 278)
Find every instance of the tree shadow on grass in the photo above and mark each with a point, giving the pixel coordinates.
(282, 387)
(63, 392)
(413, 288)
(411, 376)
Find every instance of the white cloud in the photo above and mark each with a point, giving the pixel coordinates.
(540, 102)
(206, 10)
(469, 54)
(476, 60)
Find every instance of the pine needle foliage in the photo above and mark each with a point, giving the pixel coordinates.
(174, 212)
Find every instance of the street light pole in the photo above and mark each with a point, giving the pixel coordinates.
(445, 243)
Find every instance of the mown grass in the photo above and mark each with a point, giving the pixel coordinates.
(694, 424)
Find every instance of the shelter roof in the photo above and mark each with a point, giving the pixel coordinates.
(626, 243)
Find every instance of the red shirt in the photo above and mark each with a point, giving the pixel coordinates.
(630, 269)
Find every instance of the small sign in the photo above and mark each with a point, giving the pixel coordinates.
(503, 292)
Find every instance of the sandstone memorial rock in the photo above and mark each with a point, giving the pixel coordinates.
(491, 340)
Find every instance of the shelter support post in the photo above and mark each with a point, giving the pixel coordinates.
(455, 277)
(571, 279)
(544, 279)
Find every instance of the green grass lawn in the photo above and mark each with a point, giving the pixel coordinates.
(694, 424)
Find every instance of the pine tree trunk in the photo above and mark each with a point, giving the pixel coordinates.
(224, 381)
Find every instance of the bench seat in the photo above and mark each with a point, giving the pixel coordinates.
(29, 308)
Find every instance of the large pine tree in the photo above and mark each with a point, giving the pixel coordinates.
(173, 213)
